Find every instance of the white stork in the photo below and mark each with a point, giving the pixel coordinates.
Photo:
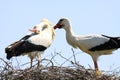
(33, 44)
(94, 45)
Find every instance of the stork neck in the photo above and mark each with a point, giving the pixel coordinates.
(71, 37)
(69, 31)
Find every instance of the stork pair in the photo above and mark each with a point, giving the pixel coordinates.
(43, 34)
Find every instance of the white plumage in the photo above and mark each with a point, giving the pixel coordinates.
(94, 45)
(33, 44)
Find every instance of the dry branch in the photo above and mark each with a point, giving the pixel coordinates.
(52, 72)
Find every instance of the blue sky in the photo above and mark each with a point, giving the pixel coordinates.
(86, 16)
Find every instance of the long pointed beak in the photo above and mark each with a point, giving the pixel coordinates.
(58, 26)
(33, 30)
(55, 26)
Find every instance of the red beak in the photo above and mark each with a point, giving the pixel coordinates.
(58, 26)
(33, 30)
(55, 26)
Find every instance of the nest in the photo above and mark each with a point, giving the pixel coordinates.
(51, 72)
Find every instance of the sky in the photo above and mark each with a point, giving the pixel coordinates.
(86, 16)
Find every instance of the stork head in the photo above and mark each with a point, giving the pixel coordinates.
(62, 23)
(43, 25)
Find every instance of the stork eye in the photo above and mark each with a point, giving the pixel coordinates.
(61, 20)
(34, 27)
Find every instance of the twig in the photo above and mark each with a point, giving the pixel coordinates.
(17, 63)
(54, 57)
(74, 55)
(50, 61)
(64, 58)
(7, 64)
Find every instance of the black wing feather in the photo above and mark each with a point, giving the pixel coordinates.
(113, 43)
(22, 46)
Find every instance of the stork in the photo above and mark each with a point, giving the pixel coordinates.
(33, 44)
(94, 44)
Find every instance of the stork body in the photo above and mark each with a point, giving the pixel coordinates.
(33, 44)
(94, 45)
